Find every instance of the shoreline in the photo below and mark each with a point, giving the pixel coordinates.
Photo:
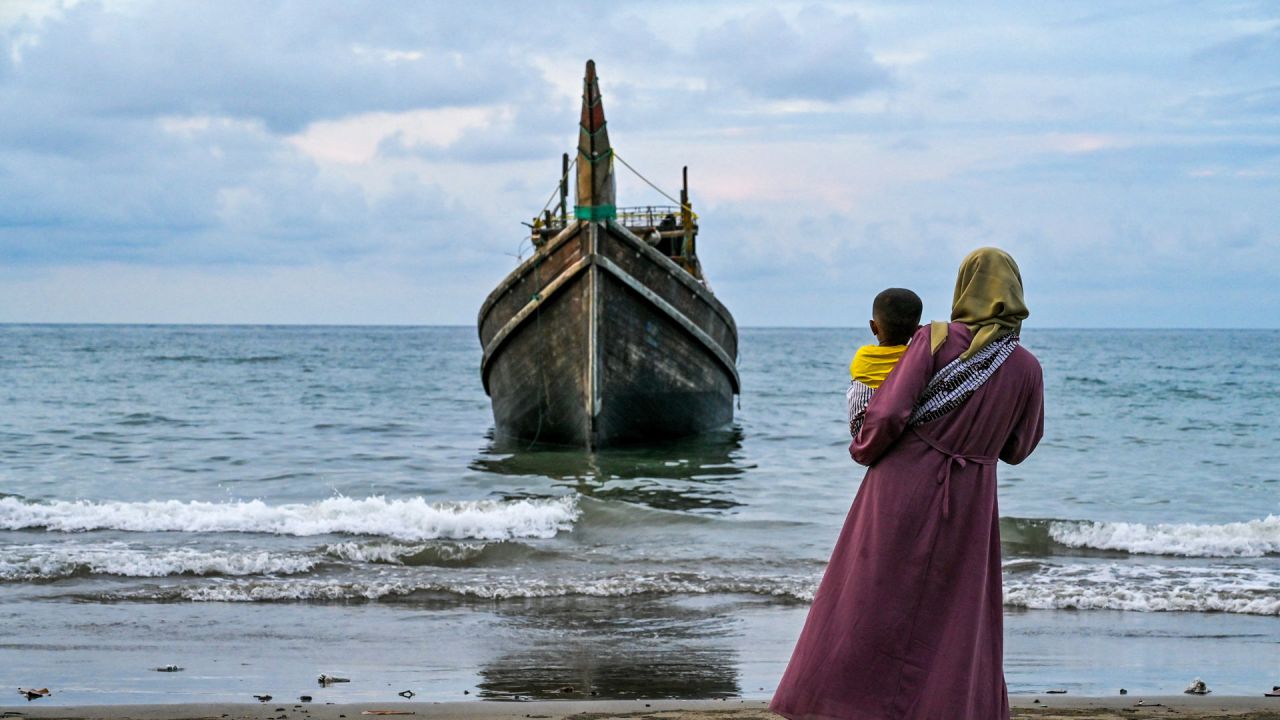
(1044, 707)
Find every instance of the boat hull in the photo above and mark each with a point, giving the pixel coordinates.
(601, 340)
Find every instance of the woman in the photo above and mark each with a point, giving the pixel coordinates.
(907, 622)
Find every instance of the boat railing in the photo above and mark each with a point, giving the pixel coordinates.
(646, 217)
(652, 217)
(661, 226)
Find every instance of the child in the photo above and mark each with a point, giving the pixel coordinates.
(895, 315)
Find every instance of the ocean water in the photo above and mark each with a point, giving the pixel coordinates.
(260, 505)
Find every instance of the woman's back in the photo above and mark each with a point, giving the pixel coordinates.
(1003, 418)
(987, 424)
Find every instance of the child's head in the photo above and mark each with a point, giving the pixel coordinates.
(895, 314)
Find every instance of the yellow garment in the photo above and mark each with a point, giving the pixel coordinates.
(988, 297)
(937, 335)
(872, 363)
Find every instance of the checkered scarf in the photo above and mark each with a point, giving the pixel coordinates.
(959, 379)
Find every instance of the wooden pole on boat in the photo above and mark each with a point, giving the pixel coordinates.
(565, 187)
(686, 216)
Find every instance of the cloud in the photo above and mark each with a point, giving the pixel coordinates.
(512, 135)
(211, 191)
(160, 133)
(1238, 107)
(168, 154)
(331, 293)
(285, 64)
(1150, 164)
(1244, 49)
(819, 55)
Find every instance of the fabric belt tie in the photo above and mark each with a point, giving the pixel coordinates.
(953, 459)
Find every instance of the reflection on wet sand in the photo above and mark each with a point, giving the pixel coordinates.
(680, 475)
(585, 670)
(640, 647)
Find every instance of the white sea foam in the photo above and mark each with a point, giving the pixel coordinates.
(43, 562)
(489, 588)
(1147, 588)
(412, 519)
(1240, 589)
(1089, 586)
(395, 553)
(1254, 538)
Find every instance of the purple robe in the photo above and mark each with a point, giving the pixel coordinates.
(908, 619)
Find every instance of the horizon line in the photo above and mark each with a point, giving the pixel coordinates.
(67, 323)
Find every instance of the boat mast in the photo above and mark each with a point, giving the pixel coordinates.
(596, 196)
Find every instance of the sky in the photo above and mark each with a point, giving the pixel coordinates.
(333, 162)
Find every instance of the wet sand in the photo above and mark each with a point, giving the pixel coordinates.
(1042, 707)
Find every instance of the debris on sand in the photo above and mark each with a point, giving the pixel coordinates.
(1197, 687)
(262, 698)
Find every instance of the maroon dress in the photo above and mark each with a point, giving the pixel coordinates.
(907, 622)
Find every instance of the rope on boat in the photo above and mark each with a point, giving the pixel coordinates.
(556, 192)
(661, 192)
(537, 220)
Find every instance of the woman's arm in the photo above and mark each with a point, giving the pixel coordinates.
(887, 413)
(1029, 428)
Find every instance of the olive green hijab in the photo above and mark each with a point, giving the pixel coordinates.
(988, 297)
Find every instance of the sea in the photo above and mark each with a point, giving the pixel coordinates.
(206, 513)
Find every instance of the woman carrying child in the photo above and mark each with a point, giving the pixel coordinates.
(907, 622)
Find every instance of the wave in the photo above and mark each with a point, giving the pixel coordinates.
(1146, 588)
(1077, 587)
(44, 562)
(231, 360)
(1253, 538)
(144, 418)
(451, 555)
(39, 562)
(794, 589)
(412, 519)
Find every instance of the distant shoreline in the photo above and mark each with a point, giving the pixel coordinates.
(1040, 707)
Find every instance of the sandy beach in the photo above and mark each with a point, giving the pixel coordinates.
(1045, 707)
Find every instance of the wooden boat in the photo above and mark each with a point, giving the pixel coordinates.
(608, 334)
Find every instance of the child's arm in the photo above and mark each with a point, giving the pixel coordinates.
(858, 395)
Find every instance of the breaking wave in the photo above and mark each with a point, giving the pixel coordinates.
(43, 562)
(451, 555)
(797, 589)
(1254, 538)
(1146, 588)
(412, 519)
